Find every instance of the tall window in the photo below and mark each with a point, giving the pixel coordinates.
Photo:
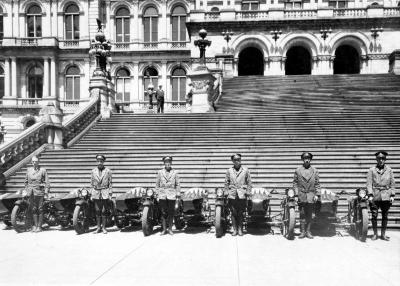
(178, 82)
(293, 4)
(34, 21)
(1, 25)
(178, 20)
(1, 83)
(150, 75)
(72, 84)
(250, 6)
(123, 85)
(150, 23)
(35, 82)
(72, 22)
(122, 25)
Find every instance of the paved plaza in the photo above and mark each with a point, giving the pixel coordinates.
(194, 257)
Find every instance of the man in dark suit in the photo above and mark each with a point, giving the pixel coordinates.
(380, 187)
(160, 99)
(101, 182)
(237, 186)
(306, 186)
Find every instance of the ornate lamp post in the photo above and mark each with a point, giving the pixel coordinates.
(375, 34)
(275, 34)
(227, 37)
(100, 49)
(325, 34)
(202, 44)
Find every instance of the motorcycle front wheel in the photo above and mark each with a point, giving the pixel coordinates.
(147, 221)
(363, 225)
(219, 228)
(290, 223)
(19, 218)
(79, 219)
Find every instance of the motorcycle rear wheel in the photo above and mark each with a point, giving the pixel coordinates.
(147, 221)
(78, 219)
(19, 219)
(219, 228)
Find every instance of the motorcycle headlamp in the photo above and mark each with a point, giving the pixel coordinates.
(84, 192)
(362, 193)
(220, 192)
(149, 192)
(290, 193)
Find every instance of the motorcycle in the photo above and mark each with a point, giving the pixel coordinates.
(84, 215)
(128, 207)
(63, 208)
(7, 202)
(258, 209)
(288, 214)
(151, 214)
(221, 212)
(190, 208)
(358, 214)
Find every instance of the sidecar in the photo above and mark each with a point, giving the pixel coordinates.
(190, 208)
(129, 207)
(62, 208)
(258, 209)
(7, 202)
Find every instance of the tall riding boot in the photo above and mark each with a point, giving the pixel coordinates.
(240, 226)
(302, 229)
(35, 223)
(164, 230)
(170, 223)
(375, 229)
(104, 221)
(383, 230)
(308, 232)
(98, 229)
(40, 222)
(234, 225)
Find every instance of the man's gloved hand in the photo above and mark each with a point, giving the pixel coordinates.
(391, 200)
(370, 198)
(315, 198)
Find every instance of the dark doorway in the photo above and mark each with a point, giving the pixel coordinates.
(251, 62)
(298, 61)
(347, 60)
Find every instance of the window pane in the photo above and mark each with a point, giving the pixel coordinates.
(119, 30)
(120, 89)
(245, 6)
(38, 26)
(126, 90)
(34, 9)
(254, 6)
(175, 23)
(1, 86)
(76, 27)
(182, 88)
(179, 72)
(73, 71)
(77, 87)
(31, 27)
(146, 24)
(183, 29)
(151, 11)
(154, 32)
(175, 85)
(1, 27)
(39, 87)
(126, 30)
(179, 10)
(123, 12)
(297, 5)
(342, 4)
(69, 87)
(68, 27)
(123, 73)
(72, 9)
(332, 4)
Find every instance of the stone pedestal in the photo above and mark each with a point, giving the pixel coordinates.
(53, 116)
(202, 80)
(394, 62)
(226, 64)
(98, 86)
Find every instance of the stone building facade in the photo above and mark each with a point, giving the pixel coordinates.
(44, 46)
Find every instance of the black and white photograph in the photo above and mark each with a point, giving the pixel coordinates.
(200, 142)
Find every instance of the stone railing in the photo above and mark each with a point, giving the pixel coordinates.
(81, 120)
(243, 15)
(26, 143)
(212, 15)
(394, 11)
(34, 42)
(294, 14)
(361, 12)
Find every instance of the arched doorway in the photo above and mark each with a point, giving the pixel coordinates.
(298, 61)
(251, 62)
(347, 60)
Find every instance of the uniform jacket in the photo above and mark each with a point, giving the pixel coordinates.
(306, 184)
(101, 183)
(238, 182)
(380, 183)
(160, 95)
(36, 181)
(167, 184)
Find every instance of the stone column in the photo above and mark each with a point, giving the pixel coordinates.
(164, 80)
(14, 92)
(53, 79)
(7, 91)
(46, 78)
(135, 85)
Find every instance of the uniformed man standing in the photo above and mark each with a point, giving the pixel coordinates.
(237, 186)
(160, 99)
(101, 182)
(168, 188)
(306, 186)
(381, 190)
(37, 187)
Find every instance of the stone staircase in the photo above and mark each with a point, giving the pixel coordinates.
(271, 140)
